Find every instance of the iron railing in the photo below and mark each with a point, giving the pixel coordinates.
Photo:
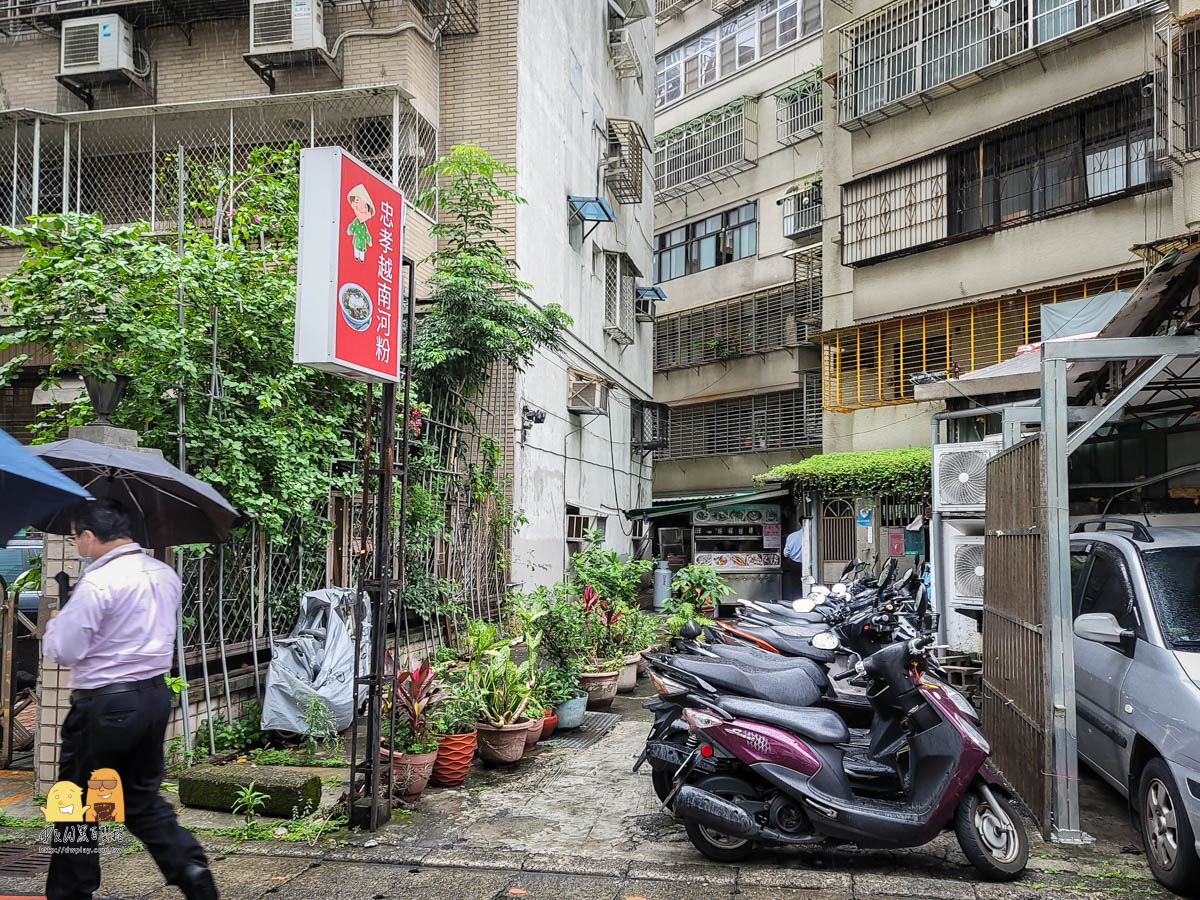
(783, 420)
(116, 162)
(623, 170)
(898, 57)
(706, 150)
(799, 113)
(665, 10)
(1177, 90)
(802, 213)
(454, 16)
(1079, 154)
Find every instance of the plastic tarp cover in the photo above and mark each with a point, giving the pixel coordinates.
(317, 659)
(1080, 317)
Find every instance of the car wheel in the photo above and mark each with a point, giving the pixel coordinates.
(1166, 832)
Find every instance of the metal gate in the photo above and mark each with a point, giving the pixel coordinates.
(1016, 706)
(837, 534)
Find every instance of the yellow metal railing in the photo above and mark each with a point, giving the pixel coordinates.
(869, 365)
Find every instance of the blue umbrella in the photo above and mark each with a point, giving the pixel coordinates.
(30, 488)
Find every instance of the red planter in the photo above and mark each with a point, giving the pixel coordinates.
(551, 722)
(410, 771)
(454, 755)
(535, 732)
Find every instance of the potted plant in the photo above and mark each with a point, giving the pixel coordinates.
(702, 586)
(454, 729)
(560, 684)
(504, 689)
(603, 662)
(413, 747)
(537, 718)
(636, 631)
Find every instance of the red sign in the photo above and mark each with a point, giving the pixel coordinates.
(350, 300)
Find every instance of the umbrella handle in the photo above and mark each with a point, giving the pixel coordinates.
(64, 588)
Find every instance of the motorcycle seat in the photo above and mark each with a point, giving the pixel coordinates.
(785, 611)
(821, 725)
(762, 659)
(790, 687)
(792, 641)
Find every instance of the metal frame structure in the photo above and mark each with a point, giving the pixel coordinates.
(706, 150)
(799, 110)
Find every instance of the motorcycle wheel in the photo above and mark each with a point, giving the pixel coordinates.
(663, 779)
(993, 840)
(714, 844)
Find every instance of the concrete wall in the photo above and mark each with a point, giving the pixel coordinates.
(566, 86)
(755, 374)
(717, 473)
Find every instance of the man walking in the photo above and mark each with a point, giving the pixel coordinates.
(117, 636)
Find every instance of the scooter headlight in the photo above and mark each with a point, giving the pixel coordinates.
(838, 589)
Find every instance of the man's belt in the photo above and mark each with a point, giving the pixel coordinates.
(119, 687)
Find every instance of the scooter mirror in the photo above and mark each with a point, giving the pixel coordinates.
(839, 589)
(826, 640)
(819, 590)
(803, 605)
(850, 567)
(690, 631)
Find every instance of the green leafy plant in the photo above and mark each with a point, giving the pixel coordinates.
(700, 585)
(616, 581)
(415, 694)
(458, 712)
(864, 473)
(240, 734)
(558, 682)
(175, 683)
(680, 613)
(504, 686)
(319, 727)
(248, 803)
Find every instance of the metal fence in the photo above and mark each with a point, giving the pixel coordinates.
(706, 149)
(117, 162)
(782, 420)
(1016, 706)
(799, 112)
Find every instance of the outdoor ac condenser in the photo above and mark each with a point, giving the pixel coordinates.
(587, 397)
(960, 476)
(282, 25)
(966, 570)
(96, 44)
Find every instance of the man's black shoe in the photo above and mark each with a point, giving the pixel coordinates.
(197, 883)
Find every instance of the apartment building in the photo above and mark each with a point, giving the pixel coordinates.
(739, 134)
(98, 94)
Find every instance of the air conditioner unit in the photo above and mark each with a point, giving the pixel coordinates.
(966, 570)
(960, 476)
(282, 25)
(96, 44)
(587, 396)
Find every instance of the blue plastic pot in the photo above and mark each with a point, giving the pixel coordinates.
(570, 712)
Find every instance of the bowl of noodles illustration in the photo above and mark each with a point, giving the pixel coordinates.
(356, 306)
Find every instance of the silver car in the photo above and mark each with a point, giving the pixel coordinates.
(1136, 594)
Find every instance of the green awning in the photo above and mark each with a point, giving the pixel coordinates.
(670, 506)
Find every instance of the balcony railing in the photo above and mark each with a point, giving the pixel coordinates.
(116, 162)
(908, 52)
(782, 420)
(802, 213)
(706, 149)
(453, 16)
(798, 110)
(665, 10)
(1177, 90)
(27, 15)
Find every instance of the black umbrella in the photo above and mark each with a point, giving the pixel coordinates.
(175, 508)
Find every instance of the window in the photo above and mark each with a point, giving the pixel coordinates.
(782, 420)
(739, 41)
(706, 149)
(802, 212)
(620, 286)
(716, 240)
(1079, 559)
(798, 111)
(1172, 575)
(1108, 589)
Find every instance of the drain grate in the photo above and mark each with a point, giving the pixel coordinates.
(23, 861)
(595, 726)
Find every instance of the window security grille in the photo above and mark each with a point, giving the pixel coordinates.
(1177, 90)
(623, 54)
(453, 16)
(802, 213)
(649, 425)
(578, 525)
(115, 164)
(17, 411)
(623, 168)
(666, 10)
(770, 319)
(1076, 155)
(706, 150)
(798, 110)
(620, 286)
(871, 365)
(778, 421)
(908, 51)
(720, 7)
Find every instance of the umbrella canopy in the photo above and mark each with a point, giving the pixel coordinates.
(175, 508)
(31, 489)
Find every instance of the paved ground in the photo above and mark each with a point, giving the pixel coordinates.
(578, 824)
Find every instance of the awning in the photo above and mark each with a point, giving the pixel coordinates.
(671, 506)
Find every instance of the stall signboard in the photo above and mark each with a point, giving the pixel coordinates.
(738, 538)
(772, 536)
(350, 297)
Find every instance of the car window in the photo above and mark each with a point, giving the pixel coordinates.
(1173, 575)
(1108, 589)
(1079, 558)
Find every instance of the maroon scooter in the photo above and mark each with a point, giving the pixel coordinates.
(774, 775)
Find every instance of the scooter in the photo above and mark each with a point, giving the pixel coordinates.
(772, 775)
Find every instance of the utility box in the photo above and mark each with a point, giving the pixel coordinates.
(96, 44)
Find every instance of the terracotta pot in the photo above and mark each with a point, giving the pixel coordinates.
(643, 668)
(410, 771)
(570, 712)
(601, 687)
(550, 723)
(535, 732)
(504, 744)
(627, 678)
(454, 755)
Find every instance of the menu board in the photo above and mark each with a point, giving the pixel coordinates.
(751, 515)
(733, 538)
(772, 536)
(735, 561)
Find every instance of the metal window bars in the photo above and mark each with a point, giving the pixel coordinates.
(116, 162)
(649, 425)
(665, 10)
(872, 364)
(623, 56)
(769, 319)
(799, 113)
(453, 16)
(1080, 154)
(802, 212)
(706, 149)
(898, 57)
(781, 420)
(1177, 90)
(624, 161)
(620, 304)
(721, 7)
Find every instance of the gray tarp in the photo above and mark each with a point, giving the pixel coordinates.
(316, 659)
(1086, 316)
